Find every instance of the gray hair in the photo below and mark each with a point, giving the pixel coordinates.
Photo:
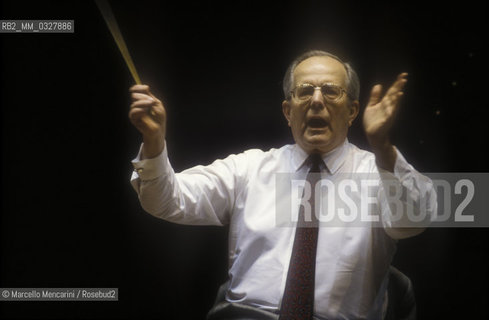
(352, 81)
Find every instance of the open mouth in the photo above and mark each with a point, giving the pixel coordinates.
(317, 123)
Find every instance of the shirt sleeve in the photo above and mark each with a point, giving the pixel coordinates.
(202, 195)
(407, 200)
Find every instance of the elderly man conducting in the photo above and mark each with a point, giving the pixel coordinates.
(314, 271)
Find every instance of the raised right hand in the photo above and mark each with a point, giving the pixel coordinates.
(148, 115)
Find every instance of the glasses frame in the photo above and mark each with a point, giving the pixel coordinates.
(343, 91)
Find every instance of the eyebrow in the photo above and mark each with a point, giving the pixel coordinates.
(324, 84)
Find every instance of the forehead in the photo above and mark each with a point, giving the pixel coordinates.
(317, 70)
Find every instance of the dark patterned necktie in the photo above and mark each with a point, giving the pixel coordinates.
(298, 299)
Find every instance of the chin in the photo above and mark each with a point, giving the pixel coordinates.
(318, 145)
(321, 143)
(318, 139)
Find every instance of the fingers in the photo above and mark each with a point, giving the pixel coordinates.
(144, 119)
(141, 97)
(148, 107)
(393, 94)
(401, 81)
(142, 104)
(391, 100)
(146, 113)
(375, 95)
(141, 120)
(142, 89)
(398, 85)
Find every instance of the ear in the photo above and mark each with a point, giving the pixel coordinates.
(354, 109)
(286, 110)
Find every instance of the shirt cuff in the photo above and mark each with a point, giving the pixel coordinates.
(149, 169)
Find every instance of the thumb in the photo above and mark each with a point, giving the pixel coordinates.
(375, 95)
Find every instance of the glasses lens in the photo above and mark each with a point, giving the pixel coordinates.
(304, 92)
(331, 92)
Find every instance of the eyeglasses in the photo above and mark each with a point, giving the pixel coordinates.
(330, 91)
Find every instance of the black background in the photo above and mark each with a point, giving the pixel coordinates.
(69, 216)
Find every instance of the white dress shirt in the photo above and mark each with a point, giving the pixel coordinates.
(352, 262)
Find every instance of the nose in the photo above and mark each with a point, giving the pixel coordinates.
(317, 100)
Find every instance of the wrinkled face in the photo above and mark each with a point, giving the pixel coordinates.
(319, 125)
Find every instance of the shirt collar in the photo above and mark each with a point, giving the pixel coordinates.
(333, 159)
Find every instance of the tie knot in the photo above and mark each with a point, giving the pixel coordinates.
(315, 160)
